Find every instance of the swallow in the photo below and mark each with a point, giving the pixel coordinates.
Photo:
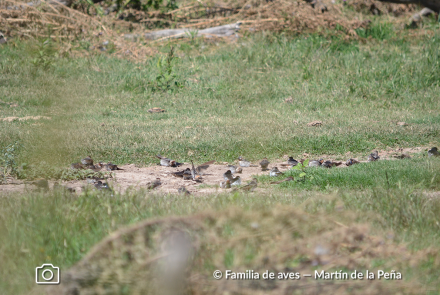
(110, 166)
(183, 191)
(239, 170)
(374, 156)
(433, 152)
(351, 162)
(243, 163)
(236, 180)
(225, 184)
(228, 175)
(264, 164)
(275, 172)
(87, 161)
(327, 164)
(167, 162)
(184, 173)
(77, 166)
(154, 184)
(248, 187)
(95, 168)
(290, 178)
(101, 185)
(292, 162)
(316, 163)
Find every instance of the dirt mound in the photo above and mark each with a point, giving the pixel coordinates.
(178, 255)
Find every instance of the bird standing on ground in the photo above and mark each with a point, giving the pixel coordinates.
(327, 164)
(351, 162)
(292, 162)
(264, 164)
(275, 172)
(250, 186)
(433, 152)
(110, 166)
(167, 162)
(228, 175)
(374, 156)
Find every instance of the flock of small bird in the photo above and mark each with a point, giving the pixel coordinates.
(231, 179)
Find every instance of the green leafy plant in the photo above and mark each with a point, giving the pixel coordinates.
(8, 161)
(303, 175)
(44, 53)
(166, 80)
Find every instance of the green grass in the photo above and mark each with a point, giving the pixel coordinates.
(232, 103)
(236, 107)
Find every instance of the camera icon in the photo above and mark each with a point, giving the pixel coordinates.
(47, 274)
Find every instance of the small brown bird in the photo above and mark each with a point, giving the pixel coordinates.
(275, 172)
(95, 168)
(183, 191)
(154, 184)
(184, 173)
(239, 170)
(225, 184)
(111, 167)
(264, 164)
(290, 178)
(351, 162)
(249, 187)
(228, 175)
(87, 161)
(374, 156)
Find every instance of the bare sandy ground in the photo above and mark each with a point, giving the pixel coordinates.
(132, 177)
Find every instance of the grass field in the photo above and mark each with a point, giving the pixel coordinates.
(229, 101)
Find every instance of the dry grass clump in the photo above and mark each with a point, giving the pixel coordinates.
(177, 255)
(20, 19)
